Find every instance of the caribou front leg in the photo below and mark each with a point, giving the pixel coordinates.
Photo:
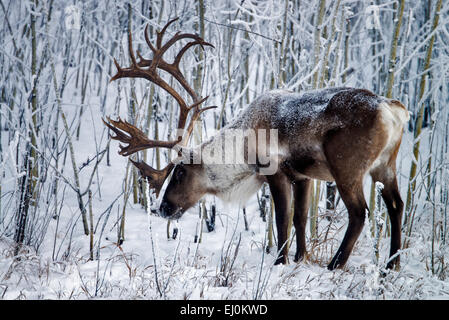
(280, 188)
(301, 190)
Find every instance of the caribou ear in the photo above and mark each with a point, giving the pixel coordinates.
(179, 158)
(186, 155)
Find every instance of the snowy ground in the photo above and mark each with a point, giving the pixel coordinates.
(186, 270)
(229, 263)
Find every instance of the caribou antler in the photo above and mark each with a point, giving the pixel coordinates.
(135, 139)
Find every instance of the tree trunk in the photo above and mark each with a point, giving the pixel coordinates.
(419, 120)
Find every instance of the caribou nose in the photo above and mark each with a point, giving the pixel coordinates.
(164, 209)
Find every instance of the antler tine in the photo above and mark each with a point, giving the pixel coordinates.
(198, 40)
(131, 50)
(196, 104)
(178, 36)
(119, 69)
(159, 51)
(173, 68)
(195, 116)
(180, 54)
(155, 177)
(160, 34)
(119, 134)
(134, 137)
(147, 39)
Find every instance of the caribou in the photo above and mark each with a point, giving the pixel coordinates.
(334, 134)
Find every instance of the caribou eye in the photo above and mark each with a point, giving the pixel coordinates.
(179, 173)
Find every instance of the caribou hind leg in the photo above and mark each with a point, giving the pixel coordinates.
(349, 160)
(352, 196)
(393, 201)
